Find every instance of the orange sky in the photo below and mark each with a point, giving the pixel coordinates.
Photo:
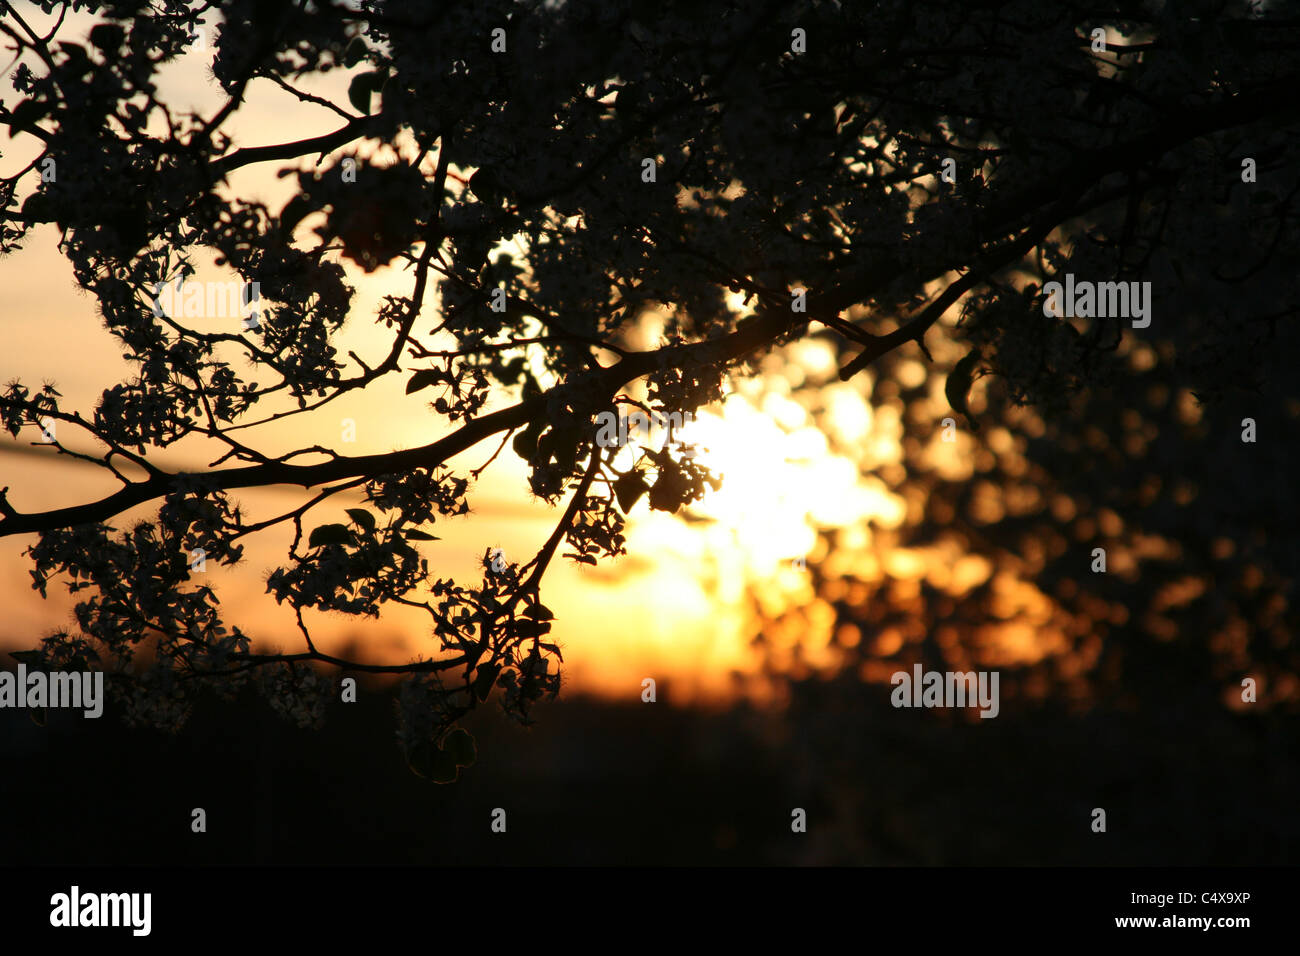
(668, 610)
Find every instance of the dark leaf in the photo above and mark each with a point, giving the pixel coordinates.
(423, 379)
(526, 628)
(459, 745)
(330, 534)
(957, 388)
(628, 489)
(26, 113)
(363, 518)
(539, 612)
(484, 679)
(443, 767)
(361, 88)
(355, 53)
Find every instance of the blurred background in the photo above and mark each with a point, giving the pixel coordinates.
(1119, 690)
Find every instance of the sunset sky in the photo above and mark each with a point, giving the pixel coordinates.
(669, 609)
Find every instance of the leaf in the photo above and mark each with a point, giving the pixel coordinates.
(330, 534)
(420, 759)
(355, 53)
(444, 768)
(30, 658)
(26, 113)
(415, 534)
(527, 628)
(957, 388)
(364, 518)
(361, 88)
(459, 745)
(484, 679)
(293, 213)
(539, 612)
(670, 490)
(107, 37)
(628, 489)
(484, 185)
(423, 379)
(524, 445)
(433, 763)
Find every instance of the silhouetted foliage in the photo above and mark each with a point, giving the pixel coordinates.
(777, 169)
